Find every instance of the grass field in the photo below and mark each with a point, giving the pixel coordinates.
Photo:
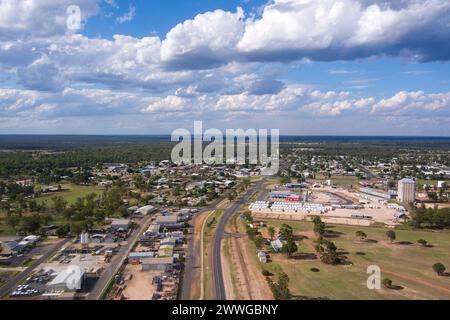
(71, 192)
(409, 266)
(342, 181)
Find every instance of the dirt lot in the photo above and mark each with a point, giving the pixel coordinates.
(140, 286)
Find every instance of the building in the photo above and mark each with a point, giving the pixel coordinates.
(162, 264)
(120, 224)
(406, 190)
(146, 210)
(139, 256)
(167, 220)
(277, 245)
(9, 248)
(262, 257)
(375, 194)
(69, 280)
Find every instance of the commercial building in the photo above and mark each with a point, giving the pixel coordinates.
(139, 256)
(166, 221)
(146, 210)
(406, 190)
(120, 224)
(162, 264)
(375, 194)
(69, 280)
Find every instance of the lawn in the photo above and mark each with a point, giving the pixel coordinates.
(408, 265)
(71, 192)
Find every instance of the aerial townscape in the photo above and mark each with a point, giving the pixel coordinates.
(224, 158)
(157, 230)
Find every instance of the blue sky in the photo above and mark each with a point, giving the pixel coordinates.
(347, 67)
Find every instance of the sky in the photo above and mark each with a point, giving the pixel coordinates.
(305, 67)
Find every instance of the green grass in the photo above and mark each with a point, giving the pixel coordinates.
(71, 193)
(409, 266)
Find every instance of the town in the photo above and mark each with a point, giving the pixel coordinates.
(158, 230)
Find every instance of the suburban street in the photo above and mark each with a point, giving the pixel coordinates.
(8, 286)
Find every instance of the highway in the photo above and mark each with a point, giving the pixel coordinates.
(368, 173)
(11, 283)
(219, 286)
(192, 268)
(117, 261)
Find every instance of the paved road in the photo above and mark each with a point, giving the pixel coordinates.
(342, 198)
(11, 283)
(118, 260)
(219, 234)
(192, 268)
(368, 173)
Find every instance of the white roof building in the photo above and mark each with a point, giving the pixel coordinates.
(70, 279)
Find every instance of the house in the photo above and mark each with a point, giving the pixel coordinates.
(9, 248)
(162, 264)
(228, 183)
(277, 245)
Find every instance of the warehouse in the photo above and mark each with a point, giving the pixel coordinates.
(138, 256)
(163, 264)
(146, 210)
(166, 221)
(120, 224)
(69, 280)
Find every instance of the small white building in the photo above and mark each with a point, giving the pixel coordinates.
(262, 257)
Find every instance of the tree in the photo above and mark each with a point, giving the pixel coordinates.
(59, 204)
(328, 251)
(259, 242)
(361, 235)
(319, 226)
(439, 268)
(31, 224)
(286, 231)
(391, 235)
(289, 248)
(265, 273)
(283, 280)
(422, 242)
(271, 232)
(62, 231)
(387, 283)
